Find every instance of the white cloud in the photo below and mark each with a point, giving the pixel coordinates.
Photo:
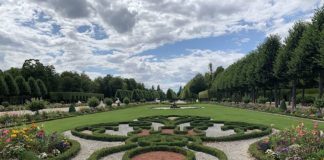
(133, 27)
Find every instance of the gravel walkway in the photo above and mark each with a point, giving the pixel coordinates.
(156, 126)
(216, 131)
(236, 149)
(123, 129)
(204, 156)
(116, 156)
(89, 146)
(183, 125)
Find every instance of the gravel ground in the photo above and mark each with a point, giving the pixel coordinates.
(204, 156)
(236, 149)
(116, 156)
(89, 146)
(216, 131)
(183, 125)
(156, 125)
(123, 129)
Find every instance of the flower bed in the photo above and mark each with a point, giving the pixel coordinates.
(296, 143)
(32, 143)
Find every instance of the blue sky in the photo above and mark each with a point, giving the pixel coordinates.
(163, 42)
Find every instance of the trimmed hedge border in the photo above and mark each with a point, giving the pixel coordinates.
(208, 150)
(110, 150)
(137, 151)
(239, 136)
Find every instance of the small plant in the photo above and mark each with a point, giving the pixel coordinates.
(5, 104)
(319, 104)
(126, 100)
(283, 105)
(262, 100)
(108, 101)
(246, 99)
(72, 108)
(93, 102)
(36, 104)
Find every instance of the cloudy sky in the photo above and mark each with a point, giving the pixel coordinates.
(162, 42)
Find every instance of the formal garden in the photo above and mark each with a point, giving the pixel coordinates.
(268, 105)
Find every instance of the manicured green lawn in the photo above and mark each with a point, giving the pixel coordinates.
(217, 112)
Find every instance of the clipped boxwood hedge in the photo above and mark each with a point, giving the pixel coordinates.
(209, 150)
(110, 150)
(137, 151)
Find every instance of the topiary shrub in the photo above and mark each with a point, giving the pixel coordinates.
(108, 101)
(246, 99)
(5, 104)
(126, 100)
(93, 102)
(72, 108)
(36, 104)
(283, 105)
(319, 104)
(262, 100)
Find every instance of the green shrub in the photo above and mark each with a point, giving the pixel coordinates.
(108, 101)
(209, 150)
(126, 100)
(72, 108)
(246, 99)
(319, 103)
(93, 102)
(5, 104)
(308, 99)
(283, 105)
(110, 150)
(36, 104)
(262, 100)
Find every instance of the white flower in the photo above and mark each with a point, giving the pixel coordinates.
(269, 151)
(56, 152)
(42, 155)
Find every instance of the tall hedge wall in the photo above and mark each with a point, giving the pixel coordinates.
(73, 96)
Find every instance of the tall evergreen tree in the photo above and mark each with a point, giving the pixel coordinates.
(42, 88)
(3, 87)
(23, 86)
(35, 91)
(12, 85)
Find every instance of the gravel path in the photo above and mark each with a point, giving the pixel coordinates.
(236, 149)
(216, 131)
(183, 125)
(156, 126)
(89, 146)
(123, 129)
(204, 156)
(116, 156)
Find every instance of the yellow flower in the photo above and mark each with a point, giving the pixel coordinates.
(14, 131)
(13, 135)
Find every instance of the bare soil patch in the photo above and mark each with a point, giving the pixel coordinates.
(167, 131)
(159, 155)
(144, 132)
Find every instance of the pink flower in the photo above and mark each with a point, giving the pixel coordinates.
(8, 140)
(5, 132)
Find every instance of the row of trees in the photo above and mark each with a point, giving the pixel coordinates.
(35, 79)
(272, 69)
(18, 89)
